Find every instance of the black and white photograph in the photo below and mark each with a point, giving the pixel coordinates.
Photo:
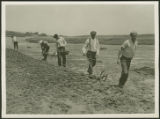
(80, 59)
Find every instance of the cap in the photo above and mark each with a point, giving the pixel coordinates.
(55, 36)
(93, 32)
(133, 33)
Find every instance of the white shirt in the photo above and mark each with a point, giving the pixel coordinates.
(129, 48)
(91, 45)
(61, 42)
(14, 39)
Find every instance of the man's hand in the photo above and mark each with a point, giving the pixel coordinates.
(118, 61)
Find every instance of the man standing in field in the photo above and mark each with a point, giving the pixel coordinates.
(15, 42)
(45, 49)
(125, 55)
(91, 50)
(60, 46)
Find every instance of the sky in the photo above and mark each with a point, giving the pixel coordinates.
(78, 19)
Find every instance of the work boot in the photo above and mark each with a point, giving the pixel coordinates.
(120, 86)
(121, 80)
(124, 79)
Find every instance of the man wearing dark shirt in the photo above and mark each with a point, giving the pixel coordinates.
(45, 49)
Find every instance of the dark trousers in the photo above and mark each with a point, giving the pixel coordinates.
(125, 65)
(15, 45)
(45, 51)
(45, 54)
(92, 61)
(61, 56)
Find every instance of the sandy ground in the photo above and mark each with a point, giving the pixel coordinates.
(38, 87)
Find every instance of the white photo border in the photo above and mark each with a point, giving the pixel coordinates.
(3, 62)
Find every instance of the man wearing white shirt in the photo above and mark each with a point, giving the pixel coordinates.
(60, 46)
(91, 49)
(15, 42)
(125, 55)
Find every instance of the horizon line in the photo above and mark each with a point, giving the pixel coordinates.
(80, 35)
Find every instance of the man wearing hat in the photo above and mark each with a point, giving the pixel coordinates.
(60, 45)
(91, 49)
(125, 55)
(45, 49)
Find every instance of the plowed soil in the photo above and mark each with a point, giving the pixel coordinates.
(37, 87)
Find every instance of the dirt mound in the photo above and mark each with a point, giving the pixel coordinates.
(37, 87)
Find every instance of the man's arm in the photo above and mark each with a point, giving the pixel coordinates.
(56, 45)
(124, 45)
(42, 46)
(65, 42)
(136, 44)
(98, 47)
(84, 48)
(47, 49)
(119, 55)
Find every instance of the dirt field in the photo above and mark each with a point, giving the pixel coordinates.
(38, 87)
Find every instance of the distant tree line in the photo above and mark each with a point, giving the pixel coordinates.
(21, 34)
